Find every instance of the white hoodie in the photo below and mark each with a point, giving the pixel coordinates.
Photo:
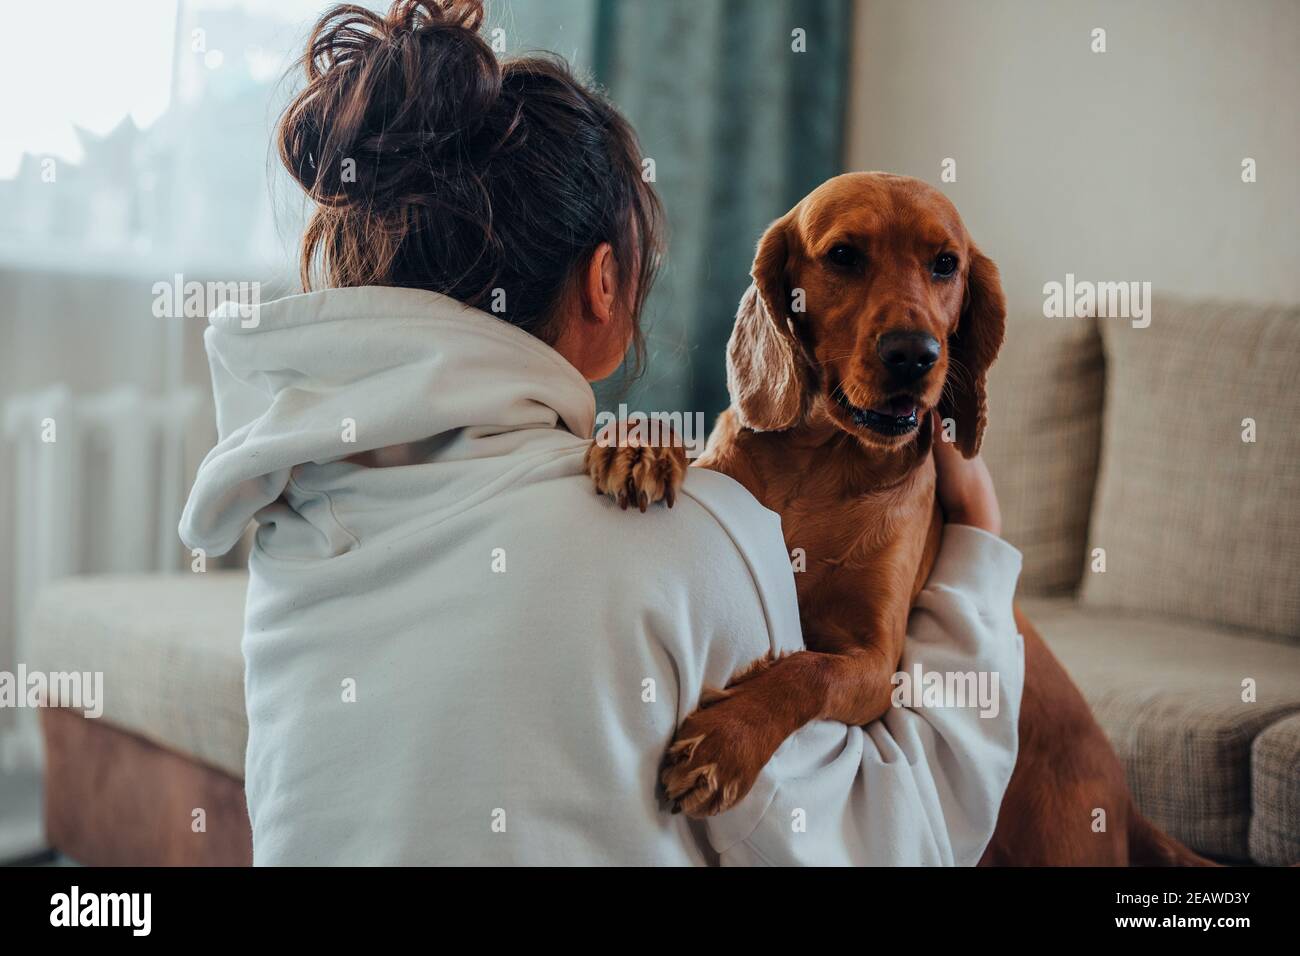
(458, 654)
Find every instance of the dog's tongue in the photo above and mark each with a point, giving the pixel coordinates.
(900, 407)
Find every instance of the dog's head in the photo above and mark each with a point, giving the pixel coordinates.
(870, 306)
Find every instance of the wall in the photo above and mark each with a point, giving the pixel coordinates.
(1123, 165)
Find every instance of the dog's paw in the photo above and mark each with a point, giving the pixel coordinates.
(718, 753)
(635, 473)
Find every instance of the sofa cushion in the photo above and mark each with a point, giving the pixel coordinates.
(1041, 445)
(168, 647)
(1194, 520)
(1169, 695)
(1275, 794)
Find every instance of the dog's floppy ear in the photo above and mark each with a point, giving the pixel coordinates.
(972, 347)
(764, 374)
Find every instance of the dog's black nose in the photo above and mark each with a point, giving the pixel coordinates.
(908, 355)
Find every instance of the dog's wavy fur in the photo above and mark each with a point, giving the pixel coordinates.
(856, 259)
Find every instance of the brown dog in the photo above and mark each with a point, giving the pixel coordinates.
(870, 307)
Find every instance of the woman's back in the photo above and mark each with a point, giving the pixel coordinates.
(428, 623)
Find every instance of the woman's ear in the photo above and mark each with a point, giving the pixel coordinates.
(600, 284)
(764, 375)
(597, 326)
(972, 347)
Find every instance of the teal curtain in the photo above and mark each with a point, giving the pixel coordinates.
(740, 105)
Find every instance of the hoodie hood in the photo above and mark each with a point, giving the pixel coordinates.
(325, 376)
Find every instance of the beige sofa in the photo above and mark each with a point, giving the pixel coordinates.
(1187, 644)
(1102, 437)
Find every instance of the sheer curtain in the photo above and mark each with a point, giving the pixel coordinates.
(136, 155)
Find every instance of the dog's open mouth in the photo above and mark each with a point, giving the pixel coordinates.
(895, 416)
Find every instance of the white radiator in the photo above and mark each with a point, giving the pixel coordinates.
(103, 496)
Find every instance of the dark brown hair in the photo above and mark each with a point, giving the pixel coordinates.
(467, 174)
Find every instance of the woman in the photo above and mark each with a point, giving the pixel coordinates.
(455, 652)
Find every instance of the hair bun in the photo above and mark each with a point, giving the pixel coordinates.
(432, 166)
(413, 14)
(391, 101)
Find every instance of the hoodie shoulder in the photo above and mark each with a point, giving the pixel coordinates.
(756, 534)
(717, 547)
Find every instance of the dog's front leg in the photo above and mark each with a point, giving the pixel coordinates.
(720, 749)
(859, 677)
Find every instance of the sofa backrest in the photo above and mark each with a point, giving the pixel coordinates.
(1198, 495)
(1174, 449)
(1042, 443)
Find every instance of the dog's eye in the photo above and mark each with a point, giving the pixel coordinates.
(945, 265)
(843, 256)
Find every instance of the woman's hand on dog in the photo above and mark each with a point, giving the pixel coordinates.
(965, 487)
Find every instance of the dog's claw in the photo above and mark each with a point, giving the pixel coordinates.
(640, 474)
(717, 754)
